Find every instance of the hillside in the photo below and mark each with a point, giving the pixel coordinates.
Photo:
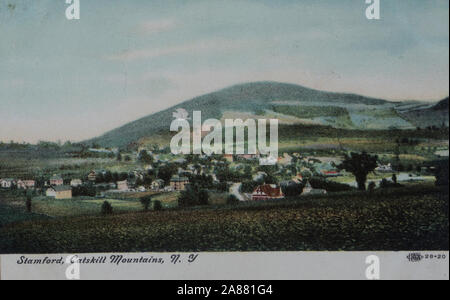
(291, 104)
(434, 115)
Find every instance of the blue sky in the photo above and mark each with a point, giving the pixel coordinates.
(72, 80)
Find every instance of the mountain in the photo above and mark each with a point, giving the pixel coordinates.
(291, 104)
(431, 115)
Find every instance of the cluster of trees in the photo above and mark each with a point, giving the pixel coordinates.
(84, 190)
(147, 201)
(108, 177)
(193, 196)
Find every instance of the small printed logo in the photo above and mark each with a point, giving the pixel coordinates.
(373, 10)
(373, 270)
(73, 10)
(73, 270)
(415, 257)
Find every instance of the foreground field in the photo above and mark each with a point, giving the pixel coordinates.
(401, 219)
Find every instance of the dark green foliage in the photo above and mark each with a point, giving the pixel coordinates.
(394, 179)
(386, 184)
(360, 165)
(107, 208)
(157, 205)
(28, 204)
(193, 196)
(292, 188)
(146, 201)
(84, 190)
(166, 172)
(203, 197)
(144, 157)
(248, 186)
(232, 200)
(329, 186)
(441, 173)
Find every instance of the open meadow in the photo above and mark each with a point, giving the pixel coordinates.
(413, 217)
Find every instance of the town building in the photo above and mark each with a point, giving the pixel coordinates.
(229, 157)
(122, 185)
(267, 192)
(157, 184)
(59, 192)
(331, 173)
(384, 168)
(76, 182)
(56, 180)
(179, 183)
(7, 183)
(26, 184)
(92, 176)
(308, 190)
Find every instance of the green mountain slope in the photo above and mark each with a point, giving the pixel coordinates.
(268, 99)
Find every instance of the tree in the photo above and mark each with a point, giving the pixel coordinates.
(203, 197)
(441, 173)
(166, 172)
(107, 209)
(291, 188)
(372, 187)
(29, 204)
(232, 200)
(360, 165)
(146, 201)
(144, 157)
(157, 206)
(394, 179)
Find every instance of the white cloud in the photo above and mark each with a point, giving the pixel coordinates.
(155, 27)
(199, 47)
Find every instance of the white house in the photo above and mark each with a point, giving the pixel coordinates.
(384, 168)
(76, 182)
(157, 184)
(122, 185)
(7, 183)
(26, 184)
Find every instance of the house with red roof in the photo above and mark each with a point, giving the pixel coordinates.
(267, 192)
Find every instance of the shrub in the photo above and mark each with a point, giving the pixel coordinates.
(146, 201)
(248, 186)
(329, 186)
(203, 197)
(193, 196)
(372, 187)
(157, 205)
(291, 188)
(441, 174)
(188, 198)
(232, 200)
(107, 208)
(386, 184)
(28, 203)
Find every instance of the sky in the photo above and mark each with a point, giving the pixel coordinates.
(72, 80)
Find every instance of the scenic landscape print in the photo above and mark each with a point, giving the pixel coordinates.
(86, 107)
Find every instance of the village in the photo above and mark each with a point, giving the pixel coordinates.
(237, 176)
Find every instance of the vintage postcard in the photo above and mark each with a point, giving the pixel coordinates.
(228, 140)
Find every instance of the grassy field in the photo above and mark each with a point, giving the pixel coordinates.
(415, 217)
(79, 207)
